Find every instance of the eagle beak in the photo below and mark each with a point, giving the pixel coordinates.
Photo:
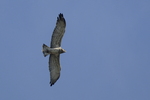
(64, 51)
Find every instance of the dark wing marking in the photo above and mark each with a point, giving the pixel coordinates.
(54, 68)
(58, 31)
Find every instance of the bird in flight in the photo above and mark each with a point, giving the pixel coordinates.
(55, 49)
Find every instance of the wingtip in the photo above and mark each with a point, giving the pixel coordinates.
(61, 15)
(61, 18)
(51, 84)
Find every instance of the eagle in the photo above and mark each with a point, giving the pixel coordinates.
(55, 49)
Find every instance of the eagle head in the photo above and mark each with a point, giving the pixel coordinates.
(62, 51)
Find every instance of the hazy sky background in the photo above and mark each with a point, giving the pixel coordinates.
(107, 44)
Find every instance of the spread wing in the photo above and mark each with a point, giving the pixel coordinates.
(58, 31)
(54, 68)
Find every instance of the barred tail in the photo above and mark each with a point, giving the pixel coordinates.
(45, 50)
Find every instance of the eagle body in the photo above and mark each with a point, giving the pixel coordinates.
(47, 50)
(55, 49)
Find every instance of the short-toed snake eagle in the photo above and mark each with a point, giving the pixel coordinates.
(55, 49)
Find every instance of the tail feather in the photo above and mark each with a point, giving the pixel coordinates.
(45, 50)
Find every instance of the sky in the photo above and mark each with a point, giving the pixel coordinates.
(107, 44)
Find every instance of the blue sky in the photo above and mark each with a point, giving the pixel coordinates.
(107, 44)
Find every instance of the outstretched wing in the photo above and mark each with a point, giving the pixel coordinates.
(58, 32)
(54, 68)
